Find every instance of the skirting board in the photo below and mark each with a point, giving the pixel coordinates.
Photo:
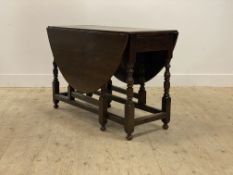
(44, 80)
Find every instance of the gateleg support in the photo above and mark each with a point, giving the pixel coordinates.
(103, 108)
(129, 105)
(166, 100)
(55, 85)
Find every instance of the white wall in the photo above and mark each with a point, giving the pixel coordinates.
(203, 56)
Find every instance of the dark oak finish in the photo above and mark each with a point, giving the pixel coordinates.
(166, 100)
(129, 105)
(86, 59)
(55, 85)
(103, 107)
(88, 56)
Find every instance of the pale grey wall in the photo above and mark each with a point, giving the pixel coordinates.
(203, 56)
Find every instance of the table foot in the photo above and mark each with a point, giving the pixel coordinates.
(103, 128)
(129, 137)
(55, 106)
(165, 126)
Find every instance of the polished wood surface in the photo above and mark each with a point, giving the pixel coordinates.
(86, 59)
(113, 29)
(88, 56)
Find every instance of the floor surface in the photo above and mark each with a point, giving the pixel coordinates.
(36, 139)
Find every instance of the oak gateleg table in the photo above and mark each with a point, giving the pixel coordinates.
(88, 56)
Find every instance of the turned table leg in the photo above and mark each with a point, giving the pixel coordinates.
(55, 85)
(103, 107)
(129, 105)
(166, 100)
(109, 90)
(142, 90)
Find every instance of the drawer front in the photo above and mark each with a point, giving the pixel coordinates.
(153, 43)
